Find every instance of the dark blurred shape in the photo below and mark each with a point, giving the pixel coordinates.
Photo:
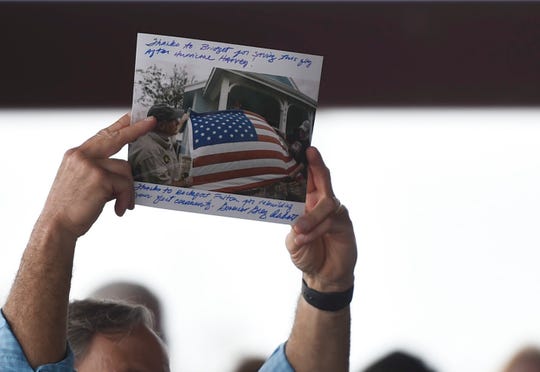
(69, 53)
(136, 294)
(249, 364)
(399, 361)
(525, 360)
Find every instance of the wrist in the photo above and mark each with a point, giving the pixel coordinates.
(50, 228)
(327, 301)
(321, 285)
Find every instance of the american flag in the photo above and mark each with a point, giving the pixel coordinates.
(236, 150)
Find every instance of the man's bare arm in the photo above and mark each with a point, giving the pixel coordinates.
(323, 246)
(87, 179)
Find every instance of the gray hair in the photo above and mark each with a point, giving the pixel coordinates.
(89, 317)
(134, 293)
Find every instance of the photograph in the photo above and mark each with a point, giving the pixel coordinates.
(226, 124)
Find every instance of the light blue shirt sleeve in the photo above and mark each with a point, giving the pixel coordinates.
(12, 358)
(277, 362)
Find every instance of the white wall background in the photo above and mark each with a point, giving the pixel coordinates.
(446, 207)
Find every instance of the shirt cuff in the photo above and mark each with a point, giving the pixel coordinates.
(277, 362)
(12, 357)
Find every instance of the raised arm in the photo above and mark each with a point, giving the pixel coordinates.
(36, 308)
(323, 246)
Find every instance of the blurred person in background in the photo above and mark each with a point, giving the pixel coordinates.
(399, 361)
(249, 364)
(112, 335)
(136, 294)
(525, 360)
(34, 320)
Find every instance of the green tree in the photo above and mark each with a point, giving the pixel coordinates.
(160, 87)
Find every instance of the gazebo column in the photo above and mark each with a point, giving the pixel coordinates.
(224, 94)
(284, 109)
(311, 116)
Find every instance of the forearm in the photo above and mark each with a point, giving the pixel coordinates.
(87, 179)
(322, 245)
(36, 307)
(320, 340)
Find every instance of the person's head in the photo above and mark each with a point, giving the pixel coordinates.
(170, 121)
(114, 336)
(136, 294)
(250, 364)
(398, 361)
(304, 130)
(525, 360)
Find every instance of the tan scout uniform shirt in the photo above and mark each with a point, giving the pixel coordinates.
(153, 159)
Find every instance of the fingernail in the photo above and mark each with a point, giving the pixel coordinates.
(149, 118)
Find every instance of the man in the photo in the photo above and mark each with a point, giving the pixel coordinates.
(155, 157)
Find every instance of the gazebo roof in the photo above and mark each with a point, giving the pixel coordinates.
(281, 84)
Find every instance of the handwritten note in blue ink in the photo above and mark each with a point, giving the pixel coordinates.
(223, 54)
(223, 204)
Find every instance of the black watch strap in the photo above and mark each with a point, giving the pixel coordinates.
(327, 301)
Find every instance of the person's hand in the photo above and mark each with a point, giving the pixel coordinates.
(88, 178)
(183, 182)
(322, 242)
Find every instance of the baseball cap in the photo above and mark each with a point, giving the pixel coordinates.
(164, 112)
